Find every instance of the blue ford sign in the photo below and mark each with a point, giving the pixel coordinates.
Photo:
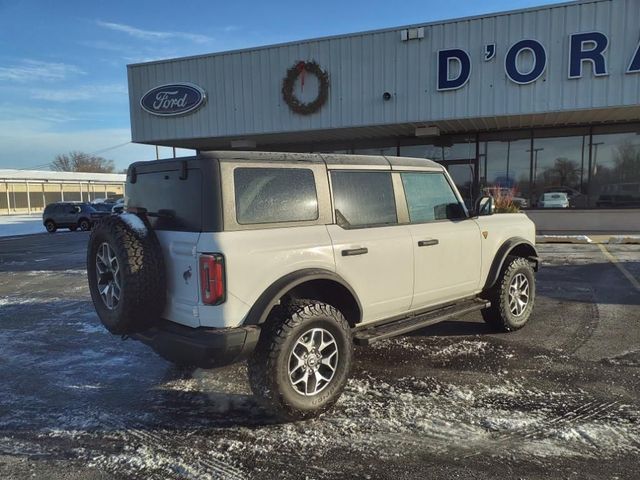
(173, 99)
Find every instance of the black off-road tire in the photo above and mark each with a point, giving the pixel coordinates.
(142, 276)
(499, 315)
(84, 224)
(51, 226)
(268, 367)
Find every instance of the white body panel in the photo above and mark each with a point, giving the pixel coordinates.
(449, 269)
(383, 277)
(255, 259)
(500, 228)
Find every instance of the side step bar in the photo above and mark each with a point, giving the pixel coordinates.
(367, 336)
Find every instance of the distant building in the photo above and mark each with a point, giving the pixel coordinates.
(29, 191)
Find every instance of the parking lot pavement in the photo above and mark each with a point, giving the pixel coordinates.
(557, 399)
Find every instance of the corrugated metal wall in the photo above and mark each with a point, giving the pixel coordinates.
(244, 88)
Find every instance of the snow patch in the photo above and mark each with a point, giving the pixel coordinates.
(13, 225)
(135, 223)
(463, 348)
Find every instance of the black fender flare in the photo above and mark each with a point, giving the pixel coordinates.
(505, 250)
(271, 296)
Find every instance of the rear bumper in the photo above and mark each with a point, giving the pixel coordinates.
(200, 347)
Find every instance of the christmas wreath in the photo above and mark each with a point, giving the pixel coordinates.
(300, 69)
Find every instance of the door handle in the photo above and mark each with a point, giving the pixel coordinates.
(428, 243)
(354, 251)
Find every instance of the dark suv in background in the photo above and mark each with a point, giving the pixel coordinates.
(71, 215)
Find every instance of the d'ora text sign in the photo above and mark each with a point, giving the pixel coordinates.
(174, 99)
(586, 49)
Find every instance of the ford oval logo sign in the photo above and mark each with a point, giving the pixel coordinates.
(173, 99)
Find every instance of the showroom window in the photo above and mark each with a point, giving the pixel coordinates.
(615, 167)
(505, 164)
(387, 151)
(560, 166)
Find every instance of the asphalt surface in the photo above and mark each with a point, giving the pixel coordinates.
(557, 399)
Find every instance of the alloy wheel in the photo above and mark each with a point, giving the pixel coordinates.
(313, 361)
(108, 273)
(518, 294)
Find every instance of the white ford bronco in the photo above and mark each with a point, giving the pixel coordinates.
(286, 260)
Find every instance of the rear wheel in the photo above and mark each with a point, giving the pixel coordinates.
(303, 359)
(512, 297)
(84, 224)
(50, 226)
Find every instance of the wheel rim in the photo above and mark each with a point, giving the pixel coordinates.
(49, 226)
(84, 225)
(108, 273)
(518, 294)
(313, 361)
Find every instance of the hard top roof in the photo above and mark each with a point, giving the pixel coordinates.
(330, 159)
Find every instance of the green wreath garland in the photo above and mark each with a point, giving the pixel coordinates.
(300, 68)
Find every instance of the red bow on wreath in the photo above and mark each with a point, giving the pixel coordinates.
(302, 68)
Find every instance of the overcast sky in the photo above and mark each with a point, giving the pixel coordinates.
(63, 63)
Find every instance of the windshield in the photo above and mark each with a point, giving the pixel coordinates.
(555, 196)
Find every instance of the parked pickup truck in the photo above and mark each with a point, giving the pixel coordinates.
(288, 260)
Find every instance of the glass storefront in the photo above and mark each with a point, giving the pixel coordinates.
(504, 162)
(615, 168)
(577, 167)
(560, 167)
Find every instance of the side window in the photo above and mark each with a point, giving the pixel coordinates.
(430, 197)
(363, 198)
(272, 195)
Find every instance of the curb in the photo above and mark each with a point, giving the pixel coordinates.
(625, 239)
(579, 239)
(584, 239)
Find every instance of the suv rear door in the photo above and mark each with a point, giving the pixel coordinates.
(446, 244)
(172, 194)
(373, 253)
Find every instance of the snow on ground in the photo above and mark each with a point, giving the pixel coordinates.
(11, 225)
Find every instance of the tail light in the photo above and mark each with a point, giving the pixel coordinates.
(212, 288)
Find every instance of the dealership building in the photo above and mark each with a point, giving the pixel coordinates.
(542, 102)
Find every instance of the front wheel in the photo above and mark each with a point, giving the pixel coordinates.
(50, 226)
(303, 359)
(512, 297)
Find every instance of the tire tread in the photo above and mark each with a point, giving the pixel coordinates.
(497, 314)
(262, 365)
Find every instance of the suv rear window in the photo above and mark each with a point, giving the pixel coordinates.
(275, 195)
(363, 198)
(174, 204)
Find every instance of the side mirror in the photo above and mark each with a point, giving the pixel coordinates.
(483, 206)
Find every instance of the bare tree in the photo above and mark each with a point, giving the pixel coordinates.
(564, 172)
(82, 162)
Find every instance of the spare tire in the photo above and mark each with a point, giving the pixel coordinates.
(126, 273)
